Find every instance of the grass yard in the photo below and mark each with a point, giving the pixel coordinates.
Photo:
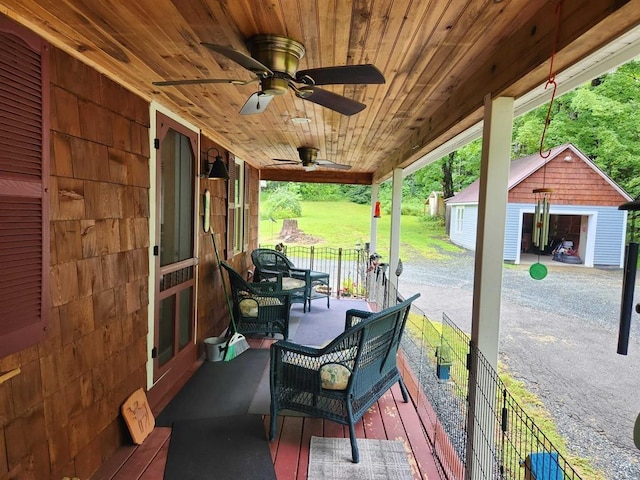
(346, 224)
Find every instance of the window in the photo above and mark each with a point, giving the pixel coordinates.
(459, 219)
(24, 181)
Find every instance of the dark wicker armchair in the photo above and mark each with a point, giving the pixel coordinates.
(258, 307)
(271, 265)
(342, 380)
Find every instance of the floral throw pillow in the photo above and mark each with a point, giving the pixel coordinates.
(334, 376)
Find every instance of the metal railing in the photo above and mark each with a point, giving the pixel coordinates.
(348, 268)
(455, 379)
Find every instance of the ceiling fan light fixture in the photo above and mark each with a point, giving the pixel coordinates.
(300, 120)
(274, 86)
(216, 169)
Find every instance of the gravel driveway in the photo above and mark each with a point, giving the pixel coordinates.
(559, 336)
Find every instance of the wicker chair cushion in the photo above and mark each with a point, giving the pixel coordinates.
(334, 376)
(289, 283)
(249, 306)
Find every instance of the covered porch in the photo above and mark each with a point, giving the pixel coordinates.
(118, 113)
(390, 418)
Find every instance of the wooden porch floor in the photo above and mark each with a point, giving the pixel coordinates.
(389, 419)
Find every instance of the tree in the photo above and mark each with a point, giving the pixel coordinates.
(447, 175)
(282, 202)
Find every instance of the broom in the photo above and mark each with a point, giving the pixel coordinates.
(236, 343)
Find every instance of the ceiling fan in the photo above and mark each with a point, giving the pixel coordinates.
(274, 62)
(309, 160)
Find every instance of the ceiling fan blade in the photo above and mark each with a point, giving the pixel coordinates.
(347, 74)
(283, 162)
(330, 164)
(331, 100)
(241, 59)
(257, 103)
(202, 81)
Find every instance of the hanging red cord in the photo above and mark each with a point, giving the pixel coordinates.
(551, 80)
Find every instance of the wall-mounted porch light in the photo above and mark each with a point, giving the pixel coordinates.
(217, 168)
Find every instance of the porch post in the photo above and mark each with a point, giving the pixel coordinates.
(487, 286)
(375, 190)
(394, 244)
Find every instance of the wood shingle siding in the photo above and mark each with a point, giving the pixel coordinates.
(64, 419)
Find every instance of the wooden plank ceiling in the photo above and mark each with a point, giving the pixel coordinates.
(439, 58)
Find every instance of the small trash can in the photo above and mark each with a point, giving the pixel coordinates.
(214, 348)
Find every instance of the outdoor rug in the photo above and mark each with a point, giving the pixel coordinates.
(218, 389)
(322, 324)
(312, 328)
(224, 448)
(330, 459)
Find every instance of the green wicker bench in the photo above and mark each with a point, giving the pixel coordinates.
(341, 380)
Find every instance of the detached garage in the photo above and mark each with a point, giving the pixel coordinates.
(584, 209)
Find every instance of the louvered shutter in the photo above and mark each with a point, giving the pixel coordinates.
(231, 207)
(24, 233)
(246, 197)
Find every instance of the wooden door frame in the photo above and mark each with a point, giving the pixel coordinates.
(184, 358)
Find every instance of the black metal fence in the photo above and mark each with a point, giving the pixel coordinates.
(472, 421)
(348, 268)
(506, 444)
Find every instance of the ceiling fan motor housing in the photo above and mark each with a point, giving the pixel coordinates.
(308, 155)
(281, 55)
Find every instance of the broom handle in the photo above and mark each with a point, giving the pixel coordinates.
(224, 284)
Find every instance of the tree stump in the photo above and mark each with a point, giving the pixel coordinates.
(289, 228)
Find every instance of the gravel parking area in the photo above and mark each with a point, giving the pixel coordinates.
(559, 336)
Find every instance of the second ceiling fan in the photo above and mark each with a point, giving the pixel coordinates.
(309, 160)
(274, 62)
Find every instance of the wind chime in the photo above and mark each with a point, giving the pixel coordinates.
(628, 289)
(540, 235)
(628, 279)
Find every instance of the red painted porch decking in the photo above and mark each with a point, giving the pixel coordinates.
(389, 419)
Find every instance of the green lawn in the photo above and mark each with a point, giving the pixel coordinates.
(345, 224)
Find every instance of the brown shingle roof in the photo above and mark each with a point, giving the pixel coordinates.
(523, 167)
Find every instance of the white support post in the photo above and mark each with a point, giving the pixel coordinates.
(487, 286)
(375, 191)
(394, 244)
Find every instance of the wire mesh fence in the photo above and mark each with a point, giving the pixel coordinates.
(473, 422)
(476, 427)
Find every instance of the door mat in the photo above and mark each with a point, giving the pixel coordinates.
(330, 459)
(233, 447)
(218, 389)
